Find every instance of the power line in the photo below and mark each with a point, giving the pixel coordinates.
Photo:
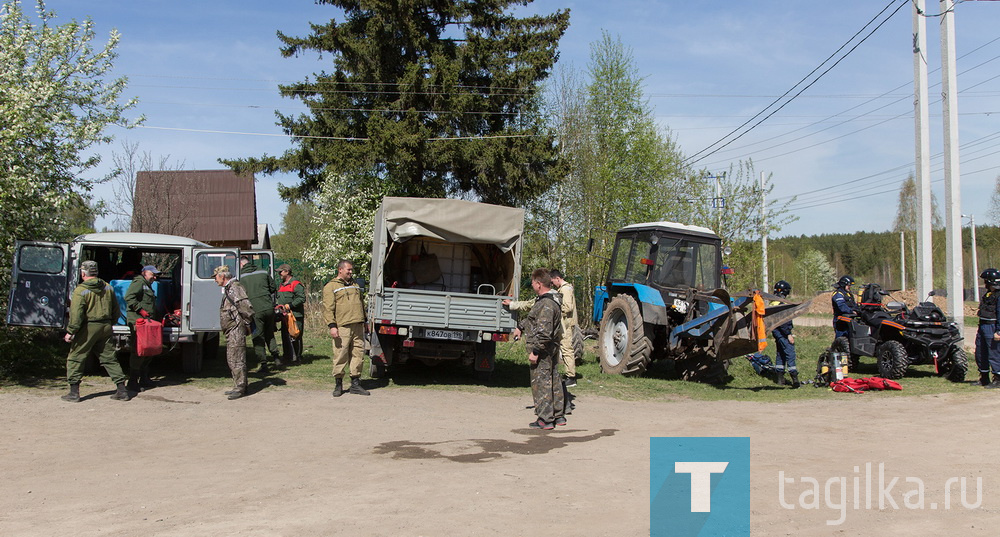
(797, 84)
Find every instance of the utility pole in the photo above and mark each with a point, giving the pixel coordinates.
(763, 231)
(924, 276)
(975, 258)
(902, 261)
(952, 178)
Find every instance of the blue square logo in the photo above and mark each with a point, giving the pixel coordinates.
(699, 486)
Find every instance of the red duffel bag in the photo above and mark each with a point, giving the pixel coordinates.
(148, 337)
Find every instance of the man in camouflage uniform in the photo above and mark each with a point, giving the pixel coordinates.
(140, 302)
(234, 316)
(93, 309)
(569, 324)
(344, 314)
(260, 287)
(542, 331)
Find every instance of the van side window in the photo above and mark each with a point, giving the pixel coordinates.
(44, 259)
(207, 261)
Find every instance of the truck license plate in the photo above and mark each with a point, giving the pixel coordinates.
(445, 334)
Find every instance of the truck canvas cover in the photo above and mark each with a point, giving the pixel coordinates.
(450, 220)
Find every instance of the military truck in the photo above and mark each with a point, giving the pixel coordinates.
(665, 297)
(45, 274)
(440, 271)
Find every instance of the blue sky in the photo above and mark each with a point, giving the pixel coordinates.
(209, 66)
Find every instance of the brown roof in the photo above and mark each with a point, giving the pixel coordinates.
(208, 205)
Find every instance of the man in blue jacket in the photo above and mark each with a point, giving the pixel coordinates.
(784, 341)
(844, 306)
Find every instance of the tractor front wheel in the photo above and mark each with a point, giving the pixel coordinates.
(892, 360)
(623, 345)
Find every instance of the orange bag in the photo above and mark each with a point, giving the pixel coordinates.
(148, 337)
(291, 324)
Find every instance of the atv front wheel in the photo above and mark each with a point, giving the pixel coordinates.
(892, 360)
(623, 345)
(956, 364)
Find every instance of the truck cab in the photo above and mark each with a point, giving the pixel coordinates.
(45, 274)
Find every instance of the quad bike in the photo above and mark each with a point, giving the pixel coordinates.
(897, 337)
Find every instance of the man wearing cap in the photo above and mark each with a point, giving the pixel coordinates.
(92, 310)
(140, 302)
(291, 293)
(261, 288)
(234, 314)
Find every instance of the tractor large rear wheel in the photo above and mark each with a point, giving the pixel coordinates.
(623, 345)
(956, 364)
(892, 360)
(578, 345)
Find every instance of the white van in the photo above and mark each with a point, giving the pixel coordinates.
(45, 274)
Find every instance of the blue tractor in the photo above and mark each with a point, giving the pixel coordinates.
(665, 298)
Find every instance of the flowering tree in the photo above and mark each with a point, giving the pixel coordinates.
(342, 223)
(55, 103)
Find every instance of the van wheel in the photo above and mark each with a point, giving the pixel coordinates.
(191, 357)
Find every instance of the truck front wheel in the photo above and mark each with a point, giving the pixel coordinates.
(623, 345)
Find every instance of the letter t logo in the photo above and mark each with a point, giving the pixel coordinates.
(701, 482)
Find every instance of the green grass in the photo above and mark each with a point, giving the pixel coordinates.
(511, 376)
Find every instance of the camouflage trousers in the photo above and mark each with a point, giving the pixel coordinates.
(547, 388)
(236, 357)
(93, 338)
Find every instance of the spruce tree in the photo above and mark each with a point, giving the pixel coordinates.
(437, 97)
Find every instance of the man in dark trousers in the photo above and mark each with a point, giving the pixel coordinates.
(988, 334)
(784, 341)
(291, 293)
(260, 288)
(844, 306)
(140, 302)
(93, 309)
(542, 330)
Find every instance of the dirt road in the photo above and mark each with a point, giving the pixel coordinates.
(179, 461)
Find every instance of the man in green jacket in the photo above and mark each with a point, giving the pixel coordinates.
(260, 289)
(291, 293)
(344, 314)
(93, 309)
(140, 302)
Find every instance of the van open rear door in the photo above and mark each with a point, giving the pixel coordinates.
(39, 290)
(206, 295)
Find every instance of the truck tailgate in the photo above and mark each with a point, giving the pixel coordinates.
(439, 309)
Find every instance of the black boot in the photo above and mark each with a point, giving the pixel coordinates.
(133, 383)
(263, 369)
(121, 394)
(779, 378)
(338, 389)
(356, 388)
(995, 384)
(145, 382)
(795, 380)
(984, 378)
(74, 393)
